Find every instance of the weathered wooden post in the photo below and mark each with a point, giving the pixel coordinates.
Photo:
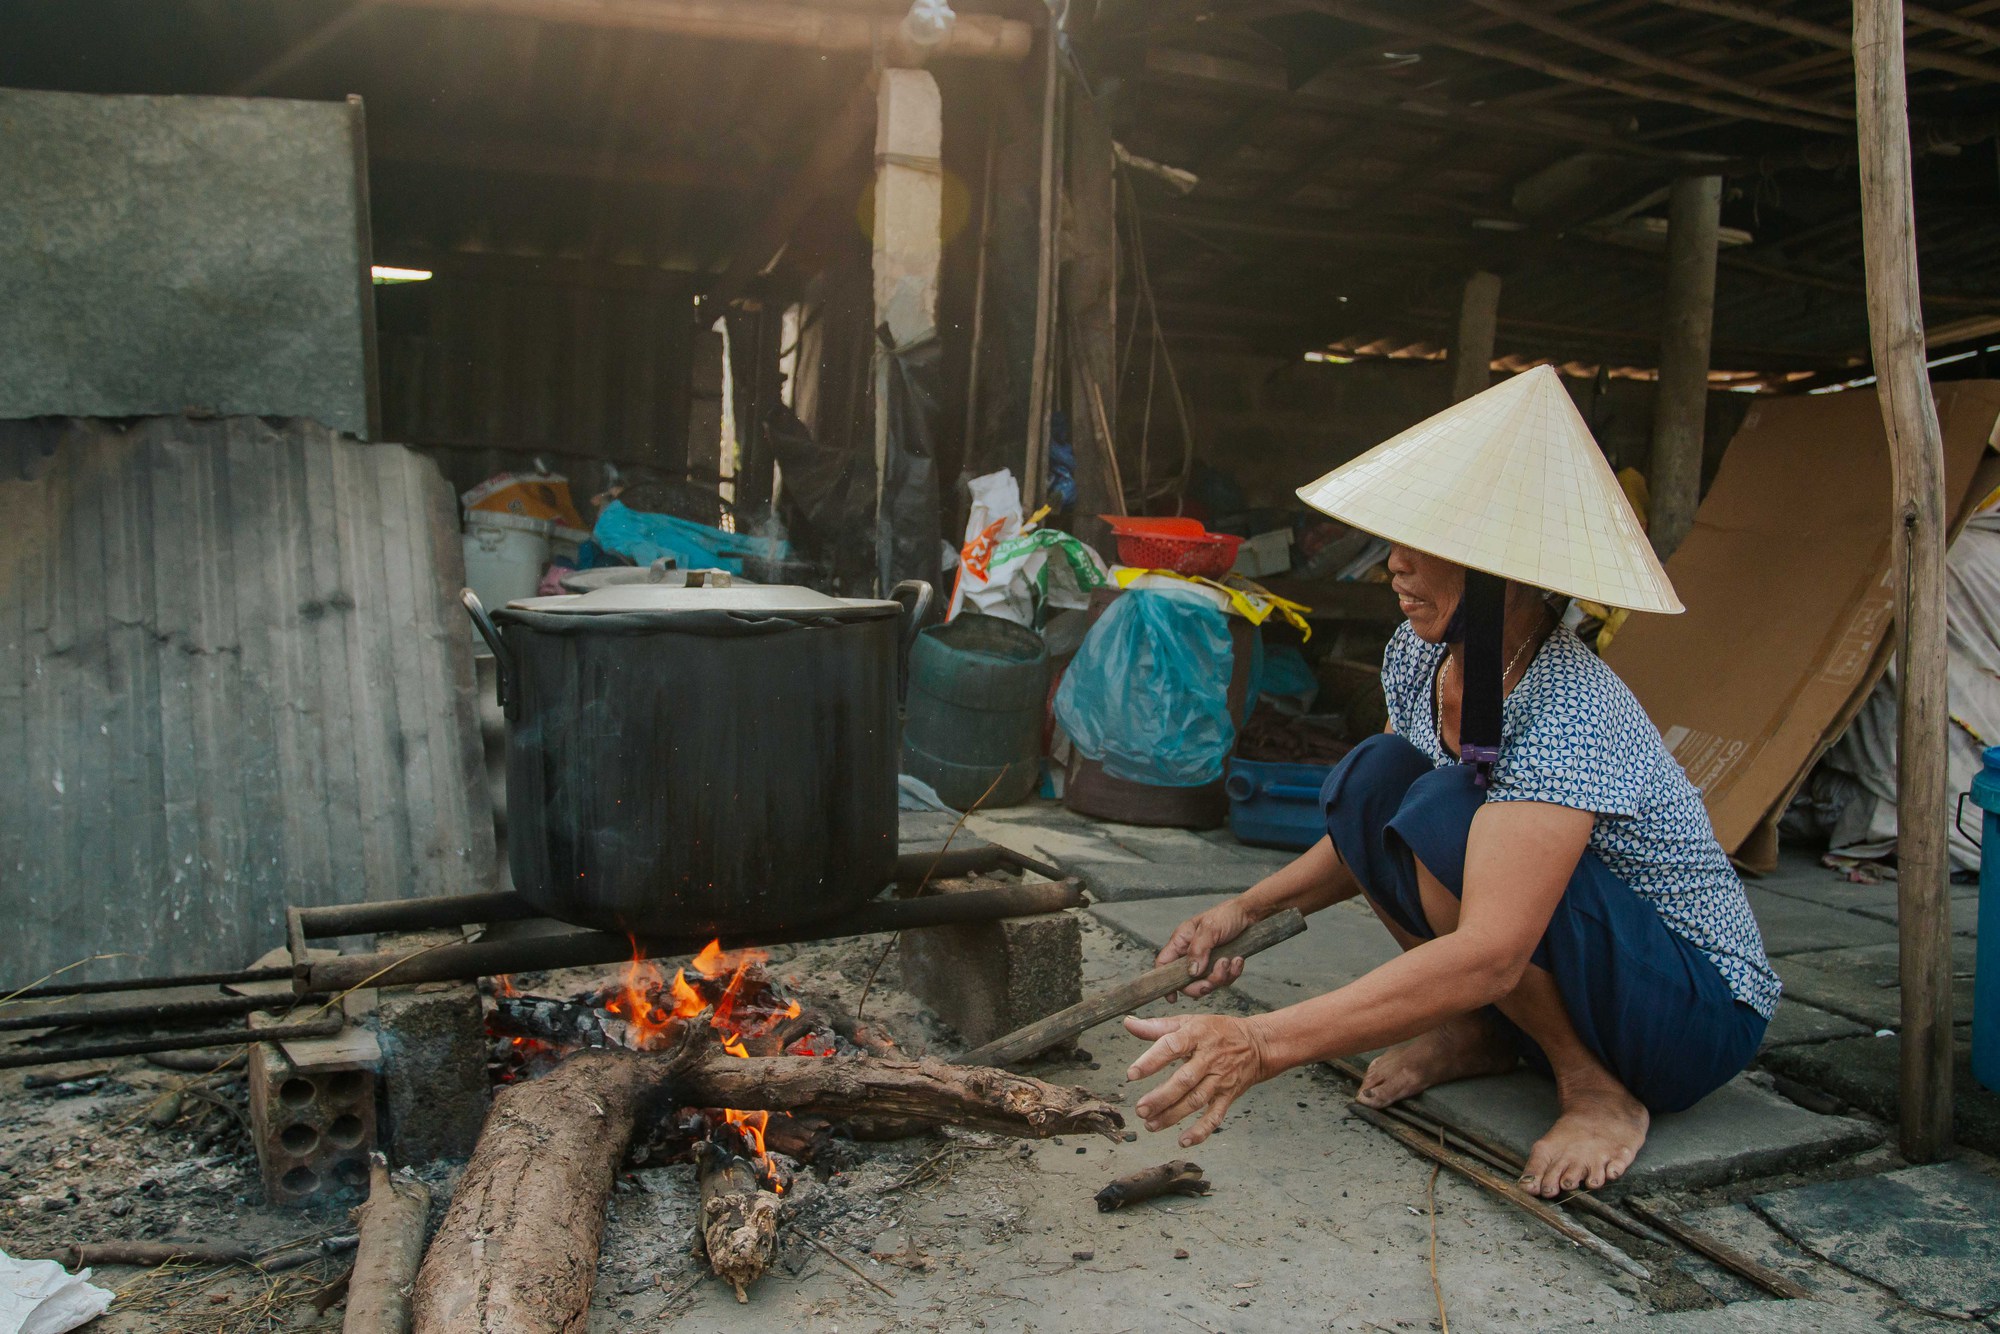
(1916, 450)
(1090, 326)
(1478, 323)
(1680, 409)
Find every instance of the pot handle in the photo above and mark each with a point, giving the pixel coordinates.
(502, 664)
(915, 595)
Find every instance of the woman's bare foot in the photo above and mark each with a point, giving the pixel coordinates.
(1595, 1139)
(1460, 1048)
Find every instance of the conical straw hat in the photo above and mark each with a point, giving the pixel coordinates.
(1510, 482)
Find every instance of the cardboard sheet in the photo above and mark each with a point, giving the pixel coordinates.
(1786, 577)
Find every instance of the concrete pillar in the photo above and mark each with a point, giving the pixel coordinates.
(909, 239)
(1680, 411)
(1478, 320)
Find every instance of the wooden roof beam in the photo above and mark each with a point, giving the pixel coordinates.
(1366, 15)
(1274, 224)
(1925, 17)
(979, 36)
(1576, 35)
(1349, 95)
(513, 158)
(1835, 38)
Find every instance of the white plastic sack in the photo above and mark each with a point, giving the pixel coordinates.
(41, 1297)
(1858, 775)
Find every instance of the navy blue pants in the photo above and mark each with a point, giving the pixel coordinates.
(1651, 1006)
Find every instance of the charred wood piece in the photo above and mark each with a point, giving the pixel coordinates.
(563, 1023)
(1179, 1177)
(739, 1218)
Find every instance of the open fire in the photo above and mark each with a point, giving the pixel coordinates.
(748, 1011)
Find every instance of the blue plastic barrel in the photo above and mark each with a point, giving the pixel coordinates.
(1986, 980)
(979, 689)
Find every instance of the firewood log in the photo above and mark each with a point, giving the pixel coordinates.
(517, 1251)
(391, 1227)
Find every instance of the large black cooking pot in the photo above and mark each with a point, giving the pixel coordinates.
(701, 759)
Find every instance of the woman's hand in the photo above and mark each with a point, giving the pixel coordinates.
(1195, 940)
(1221, 1057)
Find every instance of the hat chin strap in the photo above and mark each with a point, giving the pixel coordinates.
(1483, 612)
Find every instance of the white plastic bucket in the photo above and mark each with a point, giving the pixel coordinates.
(505, 555)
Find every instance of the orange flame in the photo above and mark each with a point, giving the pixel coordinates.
(740, 1012)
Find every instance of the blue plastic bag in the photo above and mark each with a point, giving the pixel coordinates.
(1147, 695)
(643, 538)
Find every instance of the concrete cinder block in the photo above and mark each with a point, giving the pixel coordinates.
(313, 1121)
(434, 1051)
(990, 978)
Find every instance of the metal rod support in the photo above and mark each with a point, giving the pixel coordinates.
(221, 1037)
(584, 948)
(241, 975)
(367, 919)
(161, 1012)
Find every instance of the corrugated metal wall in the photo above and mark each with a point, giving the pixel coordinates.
(500, 355)
(233, 675)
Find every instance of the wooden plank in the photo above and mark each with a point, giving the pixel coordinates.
(822, 28)
(26, 518)
(130, 729)
(1590, 39)
(371, 694)
(444, 729)
(216, 643)
(1916, 450)
(174, 555)
(61, 706)
(1355, 11)
(1838, 40)
(326, 613)
(403, 702)
(262, 551)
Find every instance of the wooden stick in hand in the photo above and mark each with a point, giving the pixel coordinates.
(1127, 996)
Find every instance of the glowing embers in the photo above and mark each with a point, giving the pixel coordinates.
(746, 1011)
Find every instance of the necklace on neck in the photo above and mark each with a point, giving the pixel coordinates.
(1512, 663)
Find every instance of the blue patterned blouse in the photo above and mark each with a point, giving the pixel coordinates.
(1571, 734)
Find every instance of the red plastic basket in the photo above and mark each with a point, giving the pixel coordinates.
(1180, 545)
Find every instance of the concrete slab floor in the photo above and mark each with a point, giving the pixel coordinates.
(1797, 1022)
(1861, 982)
(1834, 1291)
(1865, 1072)
(1793, 925)
(1753, 1317)
(1929, 1234)
(1741, 1130)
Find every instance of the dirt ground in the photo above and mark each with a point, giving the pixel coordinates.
(1315, 1221)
